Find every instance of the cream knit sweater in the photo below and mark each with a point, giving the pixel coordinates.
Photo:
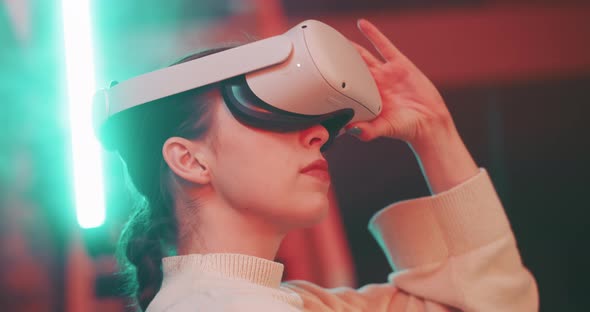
(453, 251)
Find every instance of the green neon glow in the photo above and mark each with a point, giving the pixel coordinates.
(86, 152)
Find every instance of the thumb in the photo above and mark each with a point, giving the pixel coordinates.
(370, 130)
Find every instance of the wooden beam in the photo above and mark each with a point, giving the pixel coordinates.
(270, 17)
(485, 45)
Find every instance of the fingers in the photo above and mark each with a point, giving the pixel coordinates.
(381, 43)
(369, 58)
(367, 131)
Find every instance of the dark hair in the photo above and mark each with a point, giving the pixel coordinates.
(139, 135)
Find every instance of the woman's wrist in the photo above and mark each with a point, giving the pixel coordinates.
(443, 157)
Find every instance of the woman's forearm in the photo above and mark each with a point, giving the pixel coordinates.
(444, 159)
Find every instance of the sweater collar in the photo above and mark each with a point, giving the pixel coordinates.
(234, 266)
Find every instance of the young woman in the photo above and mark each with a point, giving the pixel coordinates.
(220, 196)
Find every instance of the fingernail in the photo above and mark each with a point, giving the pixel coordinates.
(356, 131)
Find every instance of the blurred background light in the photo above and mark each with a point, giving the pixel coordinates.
(86, 152)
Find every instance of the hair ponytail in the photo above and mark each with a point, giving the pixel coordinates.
(143, 245)
(141, 253)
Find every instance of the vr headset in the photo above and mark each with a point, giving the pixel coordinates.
(307, 76)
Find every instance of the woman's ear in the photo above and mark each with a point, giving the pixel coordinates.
(185, 160)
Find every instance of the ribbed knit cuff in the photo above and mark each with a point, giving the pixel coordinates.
(430, 229)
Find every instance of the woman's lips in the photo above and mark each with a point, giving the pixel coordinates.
(320, 174)
(318, 169)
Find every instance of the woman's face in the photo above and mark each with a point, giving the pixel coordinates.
(260, 172)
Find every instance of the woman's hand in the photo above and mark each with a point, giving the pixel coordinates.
(415, 112)
(412, 107)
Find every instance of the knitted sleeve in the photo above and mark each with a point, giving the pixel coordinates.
(451, 251)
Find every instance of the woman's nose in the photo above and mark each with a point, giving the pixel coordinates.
(316, 135)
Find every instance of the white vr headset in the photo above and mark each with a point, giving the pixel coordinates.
(307, 76)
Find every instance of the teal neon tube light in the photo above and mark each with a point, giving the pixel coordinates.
(86, 152)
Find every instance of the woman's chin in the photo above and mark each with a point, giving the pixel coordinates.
(310, 212)
(304, 209)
